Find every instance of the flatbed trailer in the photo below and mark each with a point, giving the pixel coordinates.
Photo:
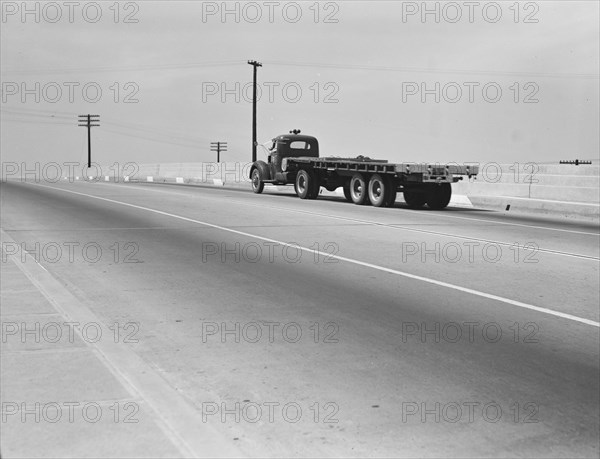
(294, 159)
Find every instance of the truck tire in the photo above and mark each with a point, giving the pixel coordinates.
(414, 199)
(257, 184)
(391, 199)
(296, 186)
(439, 196)
(359, 191)
(315, 185)
(306, 184)
(381, 191)
(347, 194)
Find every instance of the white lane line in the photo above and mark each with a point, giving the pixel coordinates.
(348, 260)
(508, 223)
(485, 220)
(141, 187)
(428, 214)
(530, 246)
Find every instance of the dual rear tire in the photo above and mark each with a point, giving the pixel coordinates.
(436, 196)
(359, 193)
(347, 194)
(414, 199)
(380, 190)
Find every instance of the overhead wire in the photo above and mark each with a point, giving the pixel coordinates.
(434, 71)
(169, 142)
(121, 68)
(338, 66)
(153, 134)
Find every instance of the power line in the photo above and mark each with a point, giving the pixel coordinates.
(123, 68)
(341, 66)
(194, 146)
(155, 130)
(114, 131)
(51, 116)
(436, 71)
(35, 122)
(37, 112)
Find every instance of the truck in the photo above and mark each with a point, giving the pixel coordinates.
(293, 159)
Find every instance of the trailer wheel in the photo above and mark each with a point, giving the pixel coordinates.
(439, 196)
(347, 194)
(306, 185)
(257, 185)
(391, 198)
(359, 190)
(414, 199)
(379, 190)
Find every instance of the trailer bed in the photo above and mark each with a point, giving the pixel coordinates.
(364, 164)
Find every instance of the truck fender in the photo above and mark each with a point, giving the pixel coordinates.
(264, 169)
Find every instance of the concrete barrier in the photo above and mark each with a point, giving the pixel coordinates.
(565, 191)
(557, 190)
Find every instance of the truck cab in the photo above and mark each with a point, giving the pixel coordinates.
(292, 145)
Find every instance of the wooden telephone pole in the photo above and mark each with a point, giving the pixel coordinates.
(218, 147)
(89, 121)
(255, 65)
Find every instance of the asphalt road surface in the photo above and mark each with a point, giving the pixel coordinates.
(321, 328)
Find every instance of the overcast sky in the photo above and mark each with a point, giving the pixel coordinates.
(512, 83)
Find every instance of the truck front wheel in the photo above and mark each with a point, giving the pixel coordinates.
(257, 185)
(358, 190)
(439, 196)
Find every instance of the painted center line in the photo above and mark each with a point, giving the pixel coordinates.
(345, 259)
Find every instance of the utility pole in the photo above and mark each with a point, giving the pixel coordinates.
(577, 162)
(255, 65)
(89, 122)
(218, 147)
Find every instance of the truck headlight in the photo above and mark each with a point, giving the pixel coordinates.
(284, 164)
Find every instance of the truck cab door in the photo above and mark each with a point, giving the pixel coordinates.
(274, 160)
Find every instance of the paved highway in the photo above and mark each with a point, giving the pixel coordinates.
(293, 328)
